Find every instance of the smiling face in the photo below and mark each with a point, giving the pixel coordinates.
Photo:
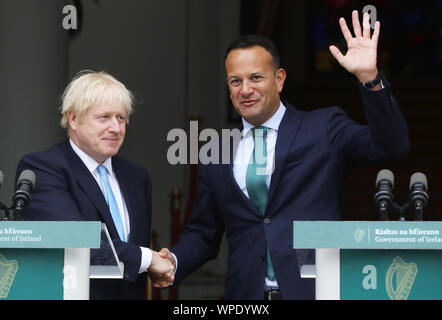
(100, 131)
(254, 84)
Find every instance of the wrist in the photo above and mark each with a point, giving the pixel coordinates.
(368, 76)
(374, 84)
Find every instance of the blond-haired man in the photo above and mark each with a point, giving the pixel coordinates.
(83, 179)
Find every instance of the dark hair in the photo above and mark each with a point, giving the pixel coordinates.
(248, 41)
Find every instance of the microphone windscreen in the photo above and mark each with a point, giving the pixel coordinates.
(418, 177)
(27, 175)
(385, 174)
(1, 179)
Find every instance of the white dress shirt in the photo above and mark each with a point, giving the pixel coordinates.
(244, 152)
(92, 165)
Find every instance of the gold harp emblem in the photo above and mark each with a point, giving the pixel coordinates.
(400, 279)
(8, 270)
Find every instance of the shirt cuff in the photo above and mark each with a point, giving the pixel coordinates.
(176, 263)
(146, 259)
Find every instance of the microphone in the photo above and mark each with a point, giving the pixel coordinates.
(418, 193)
(384, 196)
(22, 195)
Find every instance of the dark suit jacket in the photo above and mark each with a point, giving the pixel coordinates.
(313, 151)
(66, 190)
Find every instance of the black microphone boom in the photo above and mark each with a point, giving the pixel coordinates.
(384, 196)
(418, 194)
(22, 195)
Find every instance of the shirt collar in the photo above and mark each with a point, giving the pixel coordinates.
(273, 122)
(90, 163)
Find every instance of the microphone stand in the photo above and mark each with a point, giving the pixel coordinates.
(3, 212)
(419, 210)
(383, 210)
(401, 211)
(9, 214)
(384, 205)
(18, 215)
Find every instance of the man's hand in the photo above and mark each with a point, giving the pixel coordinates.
(165, 253)
(161, 271)
(361, 57)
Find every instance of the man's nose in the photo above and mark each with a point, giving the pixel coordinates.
(246, 89)
(114, 125)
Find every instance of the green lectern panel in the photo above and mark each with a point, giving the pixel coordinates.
(31, 274)
(391, 274)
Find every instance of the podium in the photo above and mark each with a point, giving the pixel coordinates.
(54, 260)
(365, 260)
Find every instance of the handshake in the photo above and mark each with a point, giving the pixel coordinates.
(162, 268)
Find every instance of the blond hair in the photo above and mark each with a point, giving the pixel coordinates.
(89, 88)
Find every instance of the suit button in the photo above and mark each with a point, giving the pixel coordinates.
(261, 258)
(266, 220)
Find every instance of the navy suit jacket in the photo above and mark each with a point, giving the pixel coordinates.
(313, 151)
(66, 190)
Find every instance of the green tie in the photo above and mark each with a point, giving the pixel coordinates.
(256, 181)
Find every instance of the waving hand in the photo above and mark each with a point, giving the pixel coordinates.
(361, 57)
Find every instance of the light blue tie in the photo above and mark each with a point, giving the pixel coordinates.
(111, 202)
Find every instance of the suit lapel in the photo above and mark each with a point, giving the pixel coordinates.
(288, 128)
(89, 185)
(238, 193)
(124, 183)
(228, 170)
(241, 197)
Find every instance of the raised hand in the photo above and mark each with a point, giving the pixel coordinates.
(361, 57)
(161, 271)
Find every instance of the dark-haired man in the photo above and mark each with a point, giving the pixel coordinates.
(289, 165)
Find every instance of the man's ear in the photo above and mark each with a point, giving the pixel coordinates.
(280, 79)
(72, 120)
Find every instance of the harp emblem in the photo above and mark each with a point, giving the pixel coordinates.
(8, 270)
(400, 279)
